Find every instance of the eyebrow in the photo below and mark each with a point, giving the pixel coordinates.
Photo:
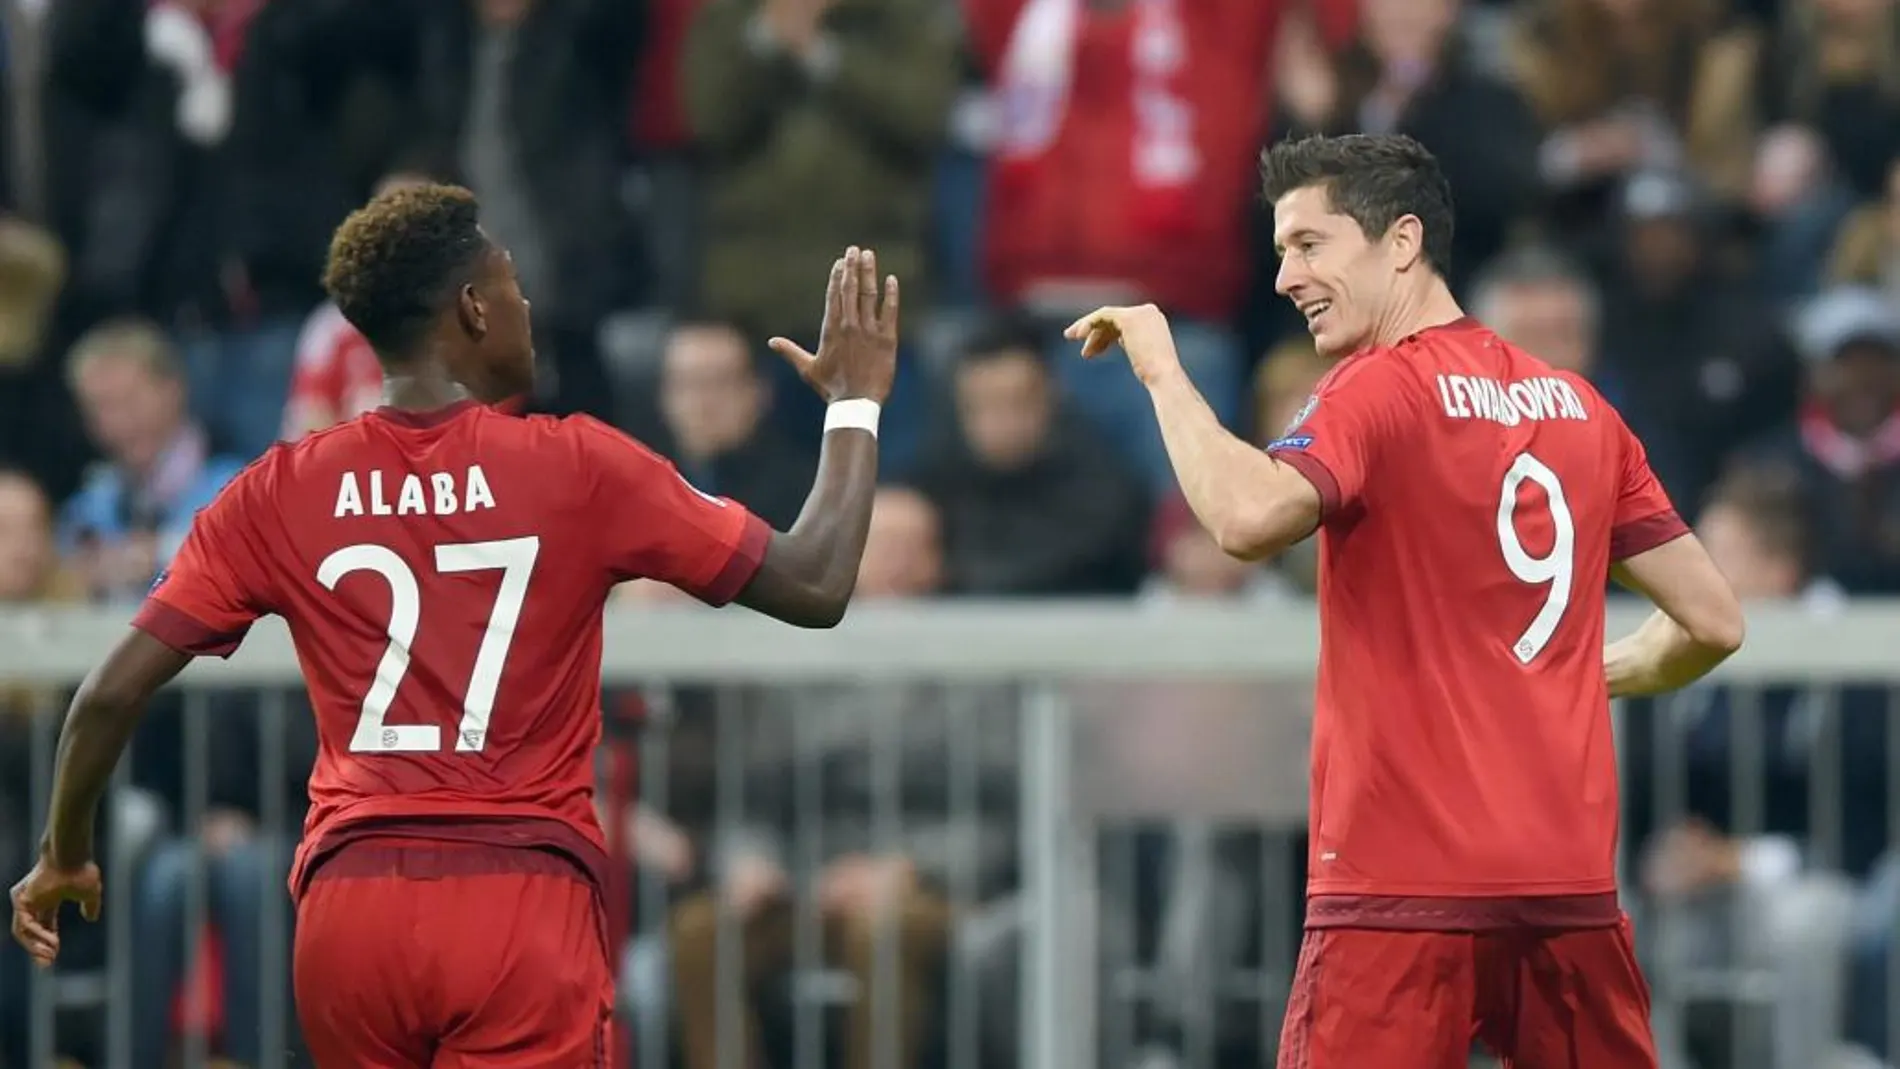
(1279, 245)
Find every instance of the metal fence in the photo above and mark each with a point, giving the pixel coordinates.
(1099, 808)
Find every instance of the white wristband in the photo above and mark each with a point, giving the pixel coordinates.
(855, 414)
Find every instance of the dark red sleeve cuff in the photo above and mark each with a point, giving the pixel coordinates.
(185, 633)
(741, 566)
(1315, 471)
(1641, 536)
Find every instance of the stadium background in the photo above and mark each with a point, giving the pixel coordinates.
(1694, 202)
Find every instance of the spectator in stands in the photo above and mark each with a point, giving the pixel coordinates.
(526, 103)
(1034, 501)
(1120, 174)
(836, 107)
(1622, 86)
(135, 509)
(1832, 71)
(1776, 893)
(1845, 441)
(245, 863)
(29, 575)
(1698, 361)
(38, 428)
(337, 376)
(714, 398)
(896, 846)
(1868, 250)
(1409, 72)
(1541, 302)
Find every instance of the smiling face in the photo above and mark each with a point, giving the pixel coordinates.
(1339, 278)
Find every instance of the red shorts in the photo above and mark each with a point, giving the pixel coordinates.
(448, 956)
(1417, 1000)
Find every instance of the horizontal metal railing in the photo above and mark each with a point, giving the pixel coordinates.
(1153, 760)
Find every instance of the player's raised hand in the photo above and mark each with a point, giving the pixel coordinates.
(36, 902)
(857, 345)
(1142, 331)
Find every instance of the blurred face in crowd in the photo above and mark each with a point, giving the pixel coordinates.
(1548, 319)
(1196, 566)
(132, 412)
(1850, 13)
(711, 394)
(1407, 31)
(1341, 279)
(1004, 405)
(1662, 254)
(1735, 544)
(26, 538)
(502, 12)
(1860, 387)
(903, 556)
(1285, 381)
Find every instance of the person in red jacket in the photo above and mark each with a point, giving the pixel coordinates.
(1121, 172)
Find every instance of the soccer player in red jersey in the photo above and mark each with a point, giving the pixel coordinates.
(443, 566)
(1472, 504)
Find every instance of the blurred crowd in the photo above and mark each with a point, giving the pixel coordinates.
(1695, 203)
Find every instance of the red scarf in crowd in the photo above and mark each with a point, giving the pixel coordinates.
(1849, 456)
(1033, 90)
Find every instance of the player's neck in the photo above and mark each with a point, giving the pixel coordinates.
(1424, 307)
(421, 389)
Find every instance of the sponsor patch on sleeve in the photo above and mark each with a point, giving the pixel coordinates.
(1291, 441)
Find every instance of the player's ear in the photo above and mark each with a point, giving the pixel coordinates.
(471, 310)
(1406, 238)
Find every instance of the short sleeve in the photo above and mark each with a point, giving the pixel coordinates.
(1645, 518)
(1337, 436)
(658, 526)
(216, 585)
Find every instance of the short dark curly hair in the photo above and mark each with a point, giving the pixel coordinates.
(1373, 178)
(396, 260)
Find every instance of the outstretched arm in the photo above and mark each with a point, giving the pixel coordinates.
(103, 715)
(1253, 504)
(1696, 626)
(658, 527)
(810, 571)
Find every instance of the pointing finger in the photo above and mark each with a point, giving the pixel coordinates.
(1081, 327)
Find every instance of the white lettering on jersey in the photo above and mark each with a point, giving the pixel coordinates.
(1535, 399)
(443, 497)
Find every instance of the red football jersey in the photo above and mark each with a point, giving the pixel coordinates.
(443, 576)
(1473, 501)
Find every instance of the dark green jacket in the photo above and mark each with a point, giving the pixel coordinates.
(802, 158)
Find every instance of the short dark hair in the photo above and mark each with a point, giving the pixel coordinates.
(1012, 333)
(395, 261)
(1373, 178)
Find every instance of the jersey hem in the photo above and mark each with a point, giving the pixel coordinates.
(1421, 913)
